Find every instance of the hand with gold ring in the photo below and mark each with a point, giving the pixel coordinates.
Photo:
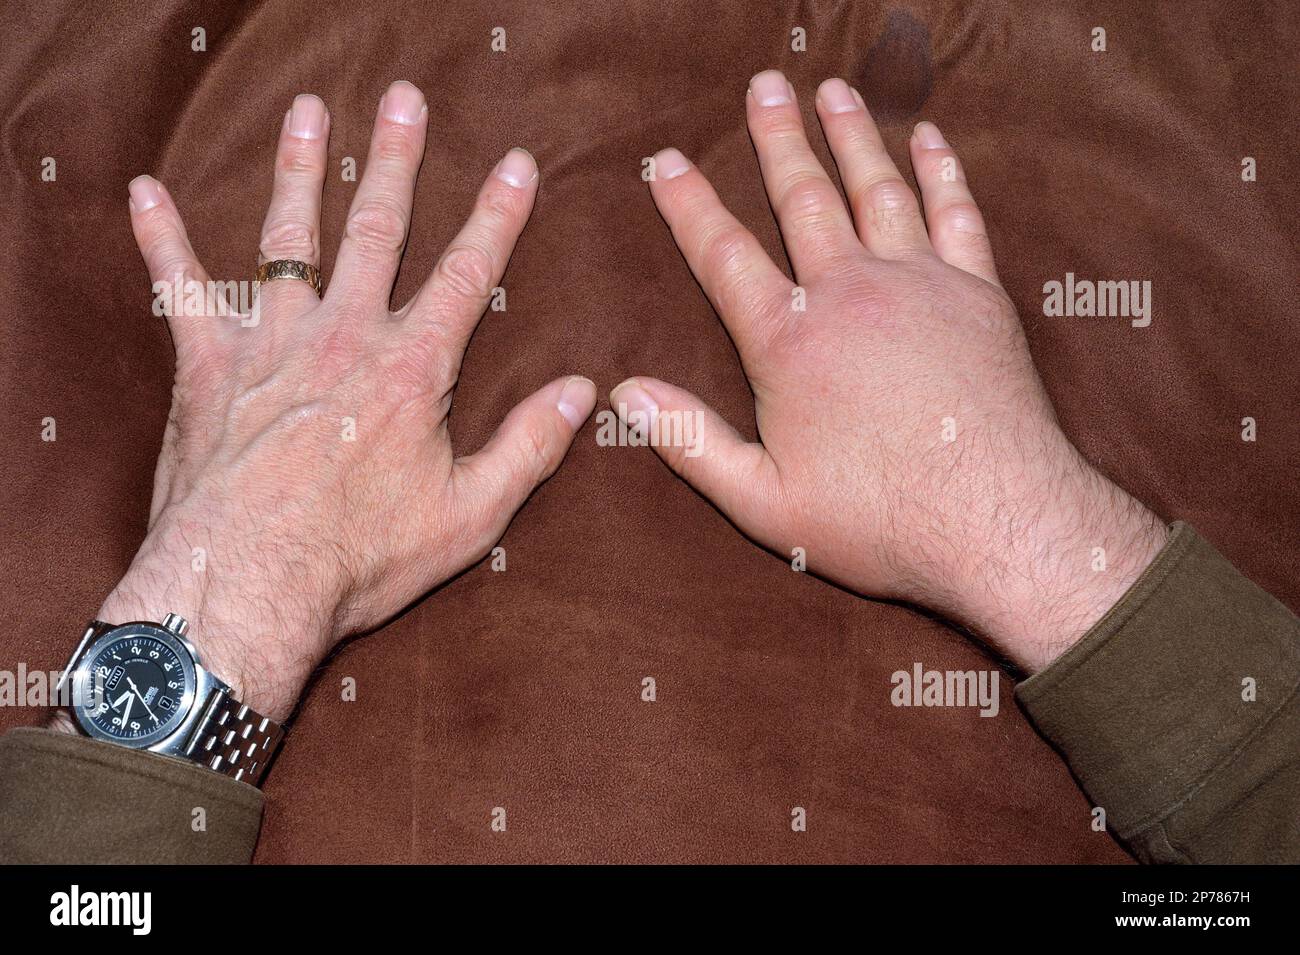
(307, 454)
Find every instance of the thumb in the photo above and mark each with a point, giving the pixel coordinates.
(738, 476)
(525, 450)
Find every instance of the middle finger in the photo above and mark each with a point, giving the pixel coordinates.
(377, 223)
(814, 222)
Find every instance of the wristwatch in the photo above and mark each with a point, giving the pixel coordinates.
(141, 685)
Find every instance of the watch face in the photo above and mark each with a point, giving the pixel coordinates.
(136, 685)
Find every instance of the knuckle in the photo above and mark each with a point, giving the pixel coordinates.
(378, 225)
(963, 217)
(875, 308)
(288, 237)
(158, 239)
(806, 194)
(891, 193)
(861, 137)
(414, 366)
(725, 249)
(536, 448)
(396, 146)
(676, 459)
(170, 261)
(298, 160)
(337, 350)
(724, 258)
(467, 270)
(889, 206)
(499, 207)
(783, 127)
(937, 160)
(155, 222)
(694, 201)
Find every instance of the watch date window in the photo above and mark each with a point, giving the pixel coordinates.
(166, 703)
(114, 677)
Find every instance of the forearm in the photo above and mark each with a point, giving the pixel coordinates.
(261, 618)
(1044, 567)
(260, 625)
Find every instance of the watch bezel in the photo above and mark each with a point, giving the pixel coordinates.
(83, 674)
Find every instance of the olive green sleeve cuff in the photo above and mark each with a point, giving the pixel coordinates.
(1178, 712)
(71, 799)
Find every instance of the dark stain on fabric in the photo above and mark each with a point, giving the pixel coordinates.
(899, 72)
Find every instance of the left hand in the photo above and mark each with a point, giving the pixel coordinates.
(307, 488)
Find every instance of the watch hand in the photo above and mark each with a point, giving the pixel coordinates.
(136, 690)
(126, 714)
(118, 702)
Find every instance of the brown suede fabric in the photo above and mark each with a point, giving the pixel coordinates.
(522, 689)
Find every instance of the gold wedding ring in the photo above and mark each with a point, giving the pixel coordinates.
(289, 269)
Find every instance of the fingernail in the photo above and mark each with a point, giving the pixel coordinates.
(837, 97)
(145, 193)
(670, 163)
(517, 168)
(630, 398)
(307, 117)
(770, 88)
(577, 400)
(403, 103)
(928, 135)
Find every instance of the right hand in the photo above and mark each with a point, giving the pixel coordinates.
(907, 334)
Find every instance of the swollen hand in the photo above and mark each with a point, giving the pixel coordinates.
(906, 442)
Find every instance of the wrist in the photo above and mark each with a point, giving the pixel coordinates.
(257, 630)
(1054, 565)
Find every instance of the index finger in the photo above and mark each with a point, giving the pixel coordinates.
(744, 285)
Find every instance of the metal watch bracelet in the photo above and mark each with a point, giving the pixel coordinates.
(232, 739)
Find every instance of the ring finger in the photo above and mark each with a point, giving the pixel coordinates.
(292, 226)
